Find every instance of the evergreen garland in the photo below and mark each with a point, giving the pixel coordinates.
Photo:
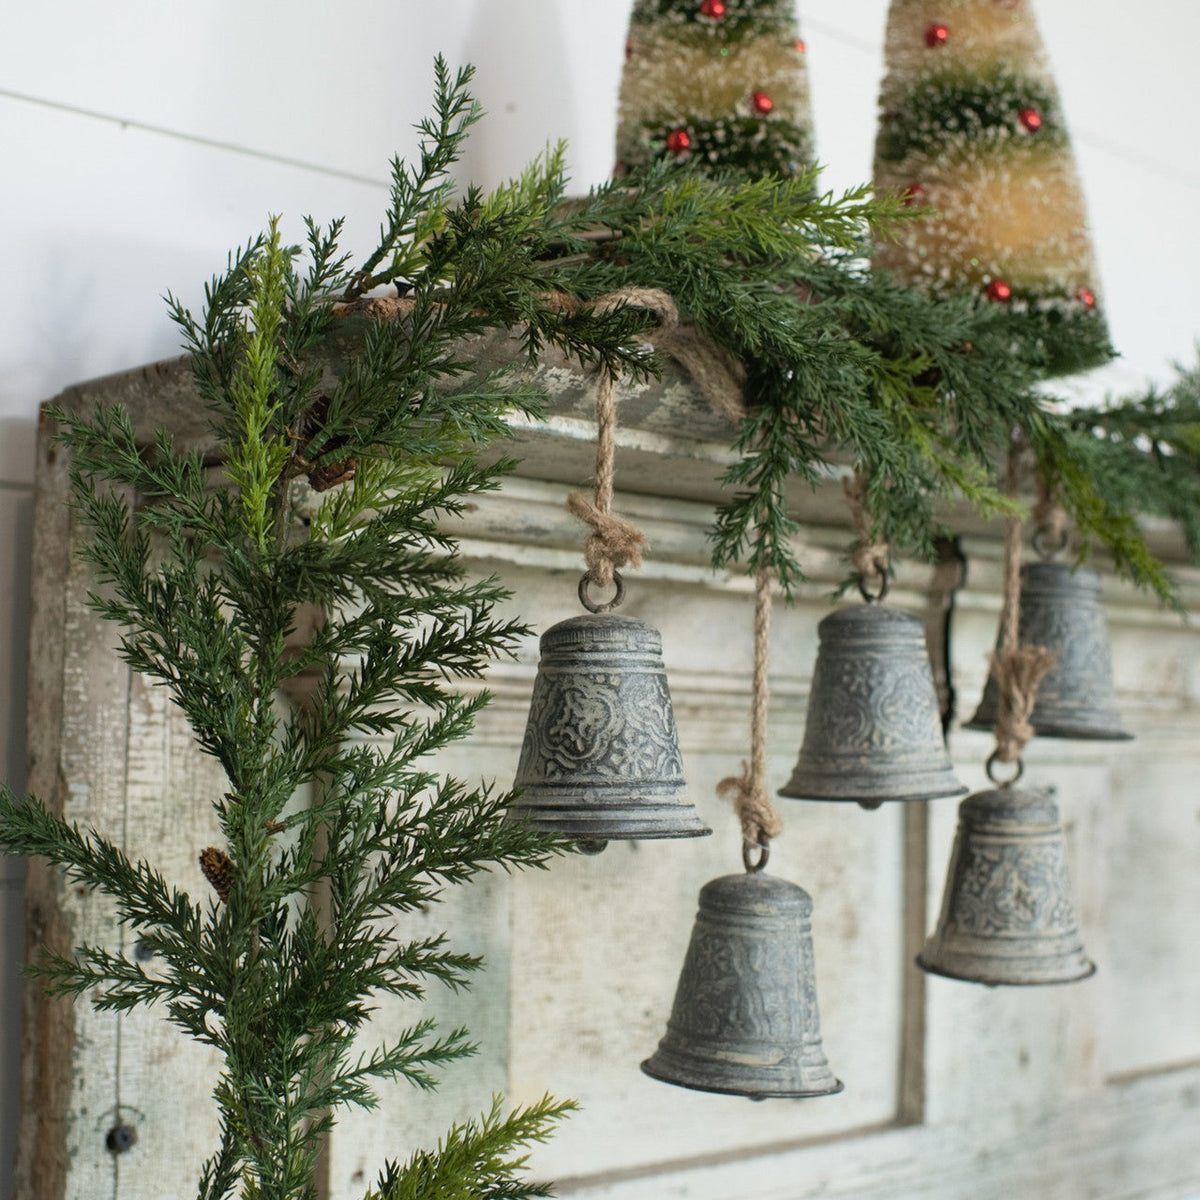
(345, 446)
(1143, 452)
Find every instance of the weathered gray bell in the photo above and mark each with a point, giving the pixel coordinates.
(745, 1018)
(1062, 611)
(600, 759)
(1007, 916)
(873, 730)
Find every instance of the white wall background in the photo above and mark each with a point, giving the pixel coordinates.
(140, 140)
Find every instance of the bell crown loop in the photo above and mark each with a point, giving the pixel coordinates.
(754, 865)
(990, 768)
(593, 606)
(878, 596)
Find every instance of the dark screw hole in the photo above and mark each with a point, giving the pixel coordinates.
(121, 1138)
(142, 952)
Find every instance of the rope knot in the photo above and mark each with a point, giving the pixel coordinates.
(871, 557)
(758, 817)
(613, 543)
(1018, 673)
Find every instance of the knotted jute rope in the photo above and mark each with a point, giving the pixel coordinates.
(759, 818)
(615, 542)
(718, 375)
(1018, 669)
(1049, 518)
(870, 556)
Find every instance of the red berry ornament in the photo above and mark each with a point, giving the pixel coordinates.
(800, 46)
(714, 9)
(762, 103)
(937, 35)
(678, 141)
(628, 49)
(914, 194)
(1086, 297)
(1031, 119)
(998, 290)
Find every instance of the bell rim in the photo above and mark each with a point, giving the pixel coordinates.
(1062, 730)
(604, 829)
(838, 1086)
(948, 973)
(875, 798)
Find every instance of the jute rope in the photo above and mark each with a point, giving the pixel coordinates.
(1018, 669)
(759, 818)
(1050, 520)
(719, 375)
(615, 542)
(870, 557)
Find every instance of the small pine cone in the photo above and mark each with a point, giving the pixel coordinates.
(329, 475)
(218, 869)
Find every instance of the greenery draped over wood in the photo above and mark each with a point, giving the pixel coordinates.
(333, 496)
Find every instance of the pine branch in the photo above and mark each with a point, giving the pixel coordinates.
(476, 1160)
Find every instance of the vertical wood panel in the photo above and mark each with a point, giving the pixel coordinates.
(164, 1080)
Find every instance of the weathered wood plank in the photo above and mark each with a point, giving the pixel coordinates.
(164, 1079)
(109, 752)
(48, 1037)
(1134, 1142)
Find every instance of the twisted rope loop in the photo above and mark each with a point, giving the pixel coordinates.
(614, 541)
(1018, 669)
(758, 816)
(870, 557)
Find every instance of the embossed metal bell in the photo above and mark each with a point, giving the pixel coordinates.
(1062, 611)
(873, 730)
(1007, 916)
(600, 759)
(745, 1018)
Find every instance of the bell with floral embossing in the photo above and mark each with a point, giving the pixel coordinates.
(1061, 610)
(745, 1021)
(873, 730)
(600, 759)
(1007, 916)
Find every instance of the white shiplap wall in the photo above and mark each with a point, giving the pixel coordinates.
(140, 141)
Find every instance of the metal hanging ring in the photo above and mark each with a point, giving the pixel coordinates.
(753, 865)
(874, 597)
(590, 604)
(1047, 552)
(993, 759)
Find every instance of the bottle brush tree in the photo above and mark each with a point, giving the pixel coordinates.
(721, 84)
(972, 126)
